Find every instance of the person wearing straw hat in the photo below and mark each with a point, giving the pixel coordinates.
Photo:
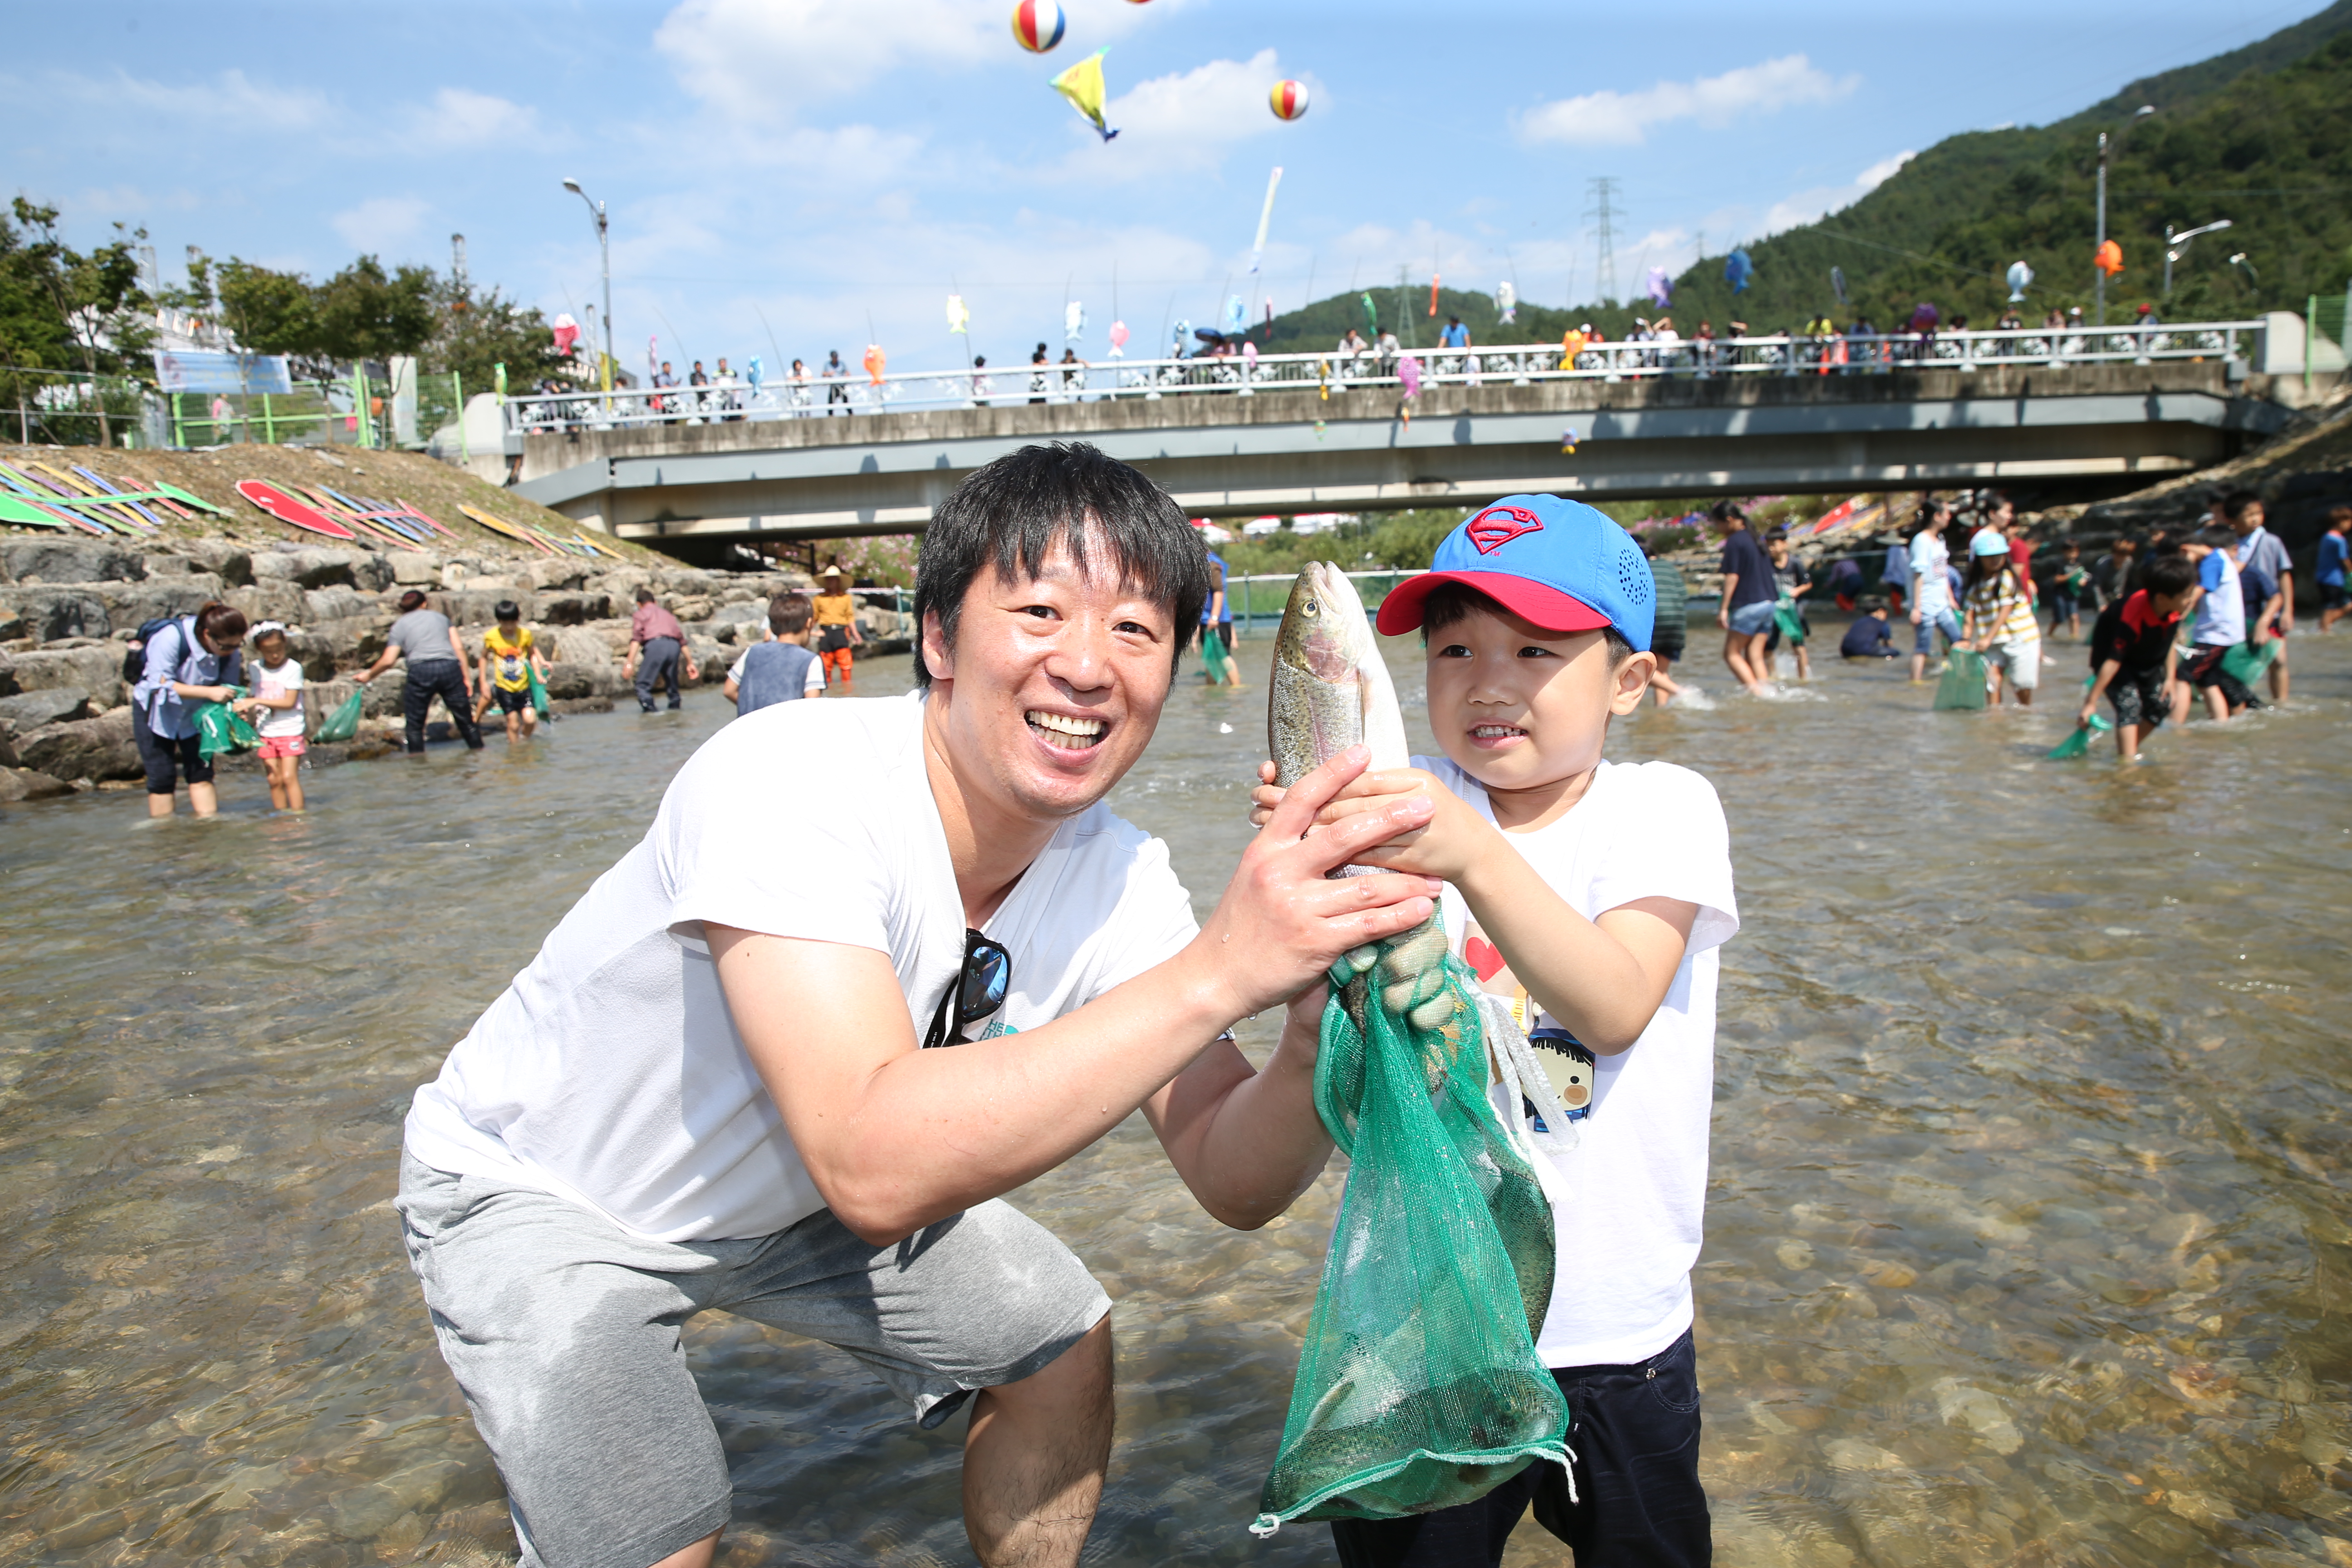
(836, 625)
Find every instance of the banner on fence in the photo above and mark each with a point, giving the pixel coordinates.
(240, 374)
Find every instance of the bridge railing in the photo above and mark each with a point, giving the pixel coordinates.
(1244, 374)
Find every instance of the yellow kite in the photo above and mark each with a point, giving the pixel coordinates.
(1082, 84)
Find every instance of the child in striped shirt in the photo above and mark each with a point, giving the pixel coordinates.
(1999, 621)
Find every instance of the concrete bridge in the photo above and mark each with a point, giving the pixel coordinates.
(2088, 424)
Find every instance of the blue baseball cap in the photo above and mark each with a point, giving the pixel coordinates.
(1558, 565)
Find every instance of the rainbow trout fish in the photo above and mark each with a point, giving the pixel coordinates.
(1330, 691)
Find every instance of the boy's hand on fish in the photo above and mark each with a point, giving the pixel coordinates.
(1284, 919)
(1445, 846)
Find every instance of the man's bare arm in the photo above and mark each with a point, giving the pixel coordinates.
(896, 1138)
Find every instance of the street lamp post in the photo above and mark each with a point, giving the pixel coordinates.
(2099, 272)
(2174, 244)
(2099, 282)
(604, 245)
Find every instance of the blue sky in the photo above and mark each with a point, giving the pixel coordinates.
(781, 173)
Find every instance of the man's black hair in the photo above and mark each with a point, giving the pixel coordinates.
(2172, 576)
(506, 610)
(1449, 603)
(645, 595)
(1776, 536)
(788, 613)
(413, 599)
(2235, 504)
(1010, 514)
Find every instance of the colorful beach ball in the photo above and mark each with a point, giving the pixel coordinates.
(1289, 100)
(1037, 24)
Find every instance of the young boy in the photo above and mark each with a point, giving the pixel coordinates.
(274, 709)
(780, 669)
(2132, 656)
(1870, 637)
(509, 659)
(2068, 588)
(1593, 895)
(1794, 580)
(2222, 625)
(2334, 604)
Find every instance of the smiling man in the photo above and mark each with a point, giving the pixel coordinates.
(790, 1073)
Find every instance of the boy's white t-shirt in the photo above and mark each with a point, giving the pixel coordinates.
(277, 723)
(1629, 1231)
(610, 1072)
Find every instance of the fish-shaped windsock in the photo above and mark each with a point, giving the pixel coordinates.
(1660, 286)
(1082, 84)
(1737, 269)
(1506, 302)
(959, 318)
(1371, 317)
(1409, 376)
(1073, 321)
(873, 362)
(1236, 315)
(1837, 283)
(2019, 275)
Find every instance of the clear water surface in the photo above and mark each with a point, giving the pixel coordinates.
(2029, 1239)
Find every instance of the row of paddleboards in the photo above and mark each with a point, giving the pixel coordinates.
(76, 498)
(80, 499)
(321, 508)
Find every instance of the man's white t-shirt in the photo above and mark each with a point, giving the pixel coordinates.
(1931, 586)
(610, 1072)
(277, 723)
(1629, 1232)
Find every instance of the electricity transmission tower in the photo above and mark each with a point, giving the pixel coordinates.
(1603, 214)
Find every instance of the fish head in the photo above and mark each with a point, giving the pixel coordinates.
(1325, 633)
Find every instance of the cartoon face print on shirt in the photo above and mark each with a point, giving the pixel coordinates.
(1566, 1062)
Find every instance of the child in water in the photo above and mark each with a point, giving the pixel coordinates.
(274, 709)
(1593, 895)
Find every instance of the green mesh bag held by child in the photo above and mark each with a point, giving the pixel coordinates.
(1419, 1387)
(343, 723)
(1215, 660)
(220, 728)
(1963, 685)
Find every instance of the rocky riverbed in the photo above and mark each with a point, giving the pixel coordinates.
(70, 607)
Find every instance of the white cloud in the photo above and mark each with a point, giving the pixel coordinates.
(380, 223)
(1805, 207)
(1610, 118)
(762, 59)
(232, 97)
(459, 119)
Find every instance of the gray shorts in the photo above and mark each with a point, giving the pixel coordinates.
(563, 1330)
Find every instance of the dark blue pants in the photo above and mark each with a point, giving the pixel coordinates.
(441, 678)
(1634, 1432)
(657, 665)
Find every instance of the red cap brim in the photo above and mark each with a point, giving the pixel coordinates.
(1547, 608)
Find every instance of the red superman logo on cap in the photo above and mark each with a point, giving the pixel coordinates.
(1498, 525)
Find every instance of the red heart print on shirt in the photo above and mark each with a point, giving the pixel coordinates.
(1483, 960)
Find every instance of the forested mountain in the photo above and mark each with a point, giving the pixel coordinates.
(2262, 136)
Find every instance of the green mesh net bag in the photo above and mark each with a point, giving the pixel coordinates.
(221, 729)
(343, 723)
(1419, 1387)
(1963, 685)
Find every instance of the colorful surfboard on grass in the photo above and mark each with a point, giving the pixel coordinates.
(286, 510)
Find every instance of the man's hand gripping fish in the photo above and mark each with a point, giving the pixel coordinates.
(1331, 690)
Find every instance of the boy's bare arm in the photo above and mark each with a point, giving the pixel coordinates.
(1604, 979)
(2107, 668)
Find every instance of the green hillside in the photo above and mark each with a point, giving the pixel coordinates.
(2262, 136)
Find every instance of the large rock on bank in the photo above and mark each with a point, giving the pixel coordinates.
(66, 560)
(95, 670)
(99, 748)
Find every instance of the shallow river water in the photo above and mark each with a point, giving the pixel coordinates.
(2029, 1236)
